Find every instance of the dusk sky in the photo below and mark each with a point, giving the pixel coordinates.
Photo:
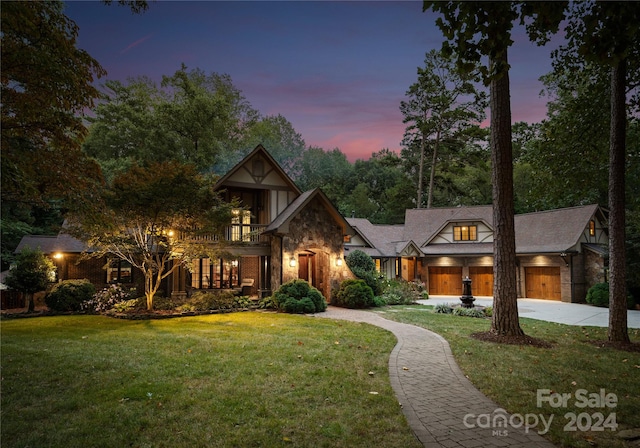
(336, 70)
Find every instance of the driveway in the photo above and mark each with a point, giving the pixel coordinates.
(552, 311)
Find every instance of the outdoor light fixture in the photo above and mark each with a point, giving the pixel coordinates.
(58, 255)
(292, 262)
(563, 255)
(234, 263)
(339, 261)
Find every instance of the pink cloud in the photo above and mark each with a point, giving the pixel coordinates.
(136, 43)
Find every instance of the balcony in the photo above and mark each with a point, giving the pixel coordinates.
(246, 233)
(238, 233)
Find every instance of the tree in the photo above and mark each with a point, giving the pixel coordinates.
(329, 170)
(388, 187)
(607, 33)
(191, 117)
(484, 30)
(441, 105)
(46, 87)
(158, 218)
(32, 273)
(47, 84)
(568, 157)
(278, 135)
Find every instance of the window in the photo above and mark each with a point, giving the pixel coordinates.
(465, 233)
(240, 225)
(119, 271)
(592, 228)
(214, 274)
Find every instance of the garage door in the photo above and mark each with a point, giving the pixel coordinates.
(542, 283)
(445, 281)
(482, 280)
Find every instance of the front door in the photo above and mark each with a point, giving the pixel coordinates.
(307, 268)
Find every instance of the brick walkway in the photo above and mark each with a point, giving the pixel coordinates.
(442, 407)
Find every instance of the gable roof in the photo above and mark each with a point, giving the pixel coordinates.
(423, 224)
(553, 230)
(280, 225)
(384, 240)
(274, 170)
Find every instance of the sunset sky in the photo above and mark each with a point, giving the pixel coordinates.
(336, 70)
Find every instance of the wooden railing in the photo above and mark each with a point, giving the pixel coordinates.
(241, 233)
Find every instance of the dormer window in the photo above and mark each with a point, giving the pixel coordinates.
(465, 233)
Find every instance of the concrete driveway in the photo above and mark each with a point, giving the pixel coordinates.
(552, 311)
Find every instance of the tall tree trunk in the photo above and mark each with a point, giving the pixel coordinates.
(432, 176)
(618, 330)
(421, 172)
(505, 306)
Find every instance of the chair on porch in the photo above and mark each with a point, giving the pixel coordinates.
(246, 285)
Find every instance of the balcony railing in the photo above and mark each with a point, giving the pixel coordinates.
(240, 233)
(246, 233)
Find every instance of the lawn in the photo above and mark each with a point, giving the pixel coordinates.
(231, 380)
(512, 375)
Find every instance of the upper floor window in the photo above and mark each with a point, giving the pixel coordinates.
(592, 228)
(240, 225)
(465, 233)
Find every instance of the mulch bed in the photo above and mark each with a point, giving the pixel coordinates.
(488, 336)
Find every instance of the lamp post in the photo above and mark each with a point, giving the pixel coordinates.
(467, 297)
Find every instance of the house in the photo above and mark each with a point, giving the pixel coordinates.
(280, 234)
(560, 253)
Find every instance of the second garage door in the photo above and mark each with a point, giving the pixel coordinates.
(482, 280)
(543, 283)
(445, 281)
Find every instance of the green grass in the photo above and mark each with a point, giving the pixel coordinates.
(232, 380)
(511, 375)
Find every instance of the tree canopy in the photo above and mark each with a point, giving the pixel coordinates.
(440, 106)
(158, 218)
(46, 86)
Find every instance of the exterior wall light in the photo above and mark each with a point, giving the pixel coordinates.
(292, 262)
(563, 255)
(58, 255)
(339, 262)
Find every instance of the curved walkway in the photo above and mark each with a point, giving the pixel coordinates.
(441, 405)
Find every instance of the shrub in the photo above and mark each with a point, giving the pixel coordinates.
(210, 300)
(363, 267)
(444, 308)
(298, 296)
(69, 295)
(402, 292)
(354, 294)
(468, 312)
(598, 295)
(139, 303)
(108, 297)
(268, 303)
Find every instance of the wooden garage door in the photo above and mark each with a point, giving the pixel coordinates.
(481, 280)
(542, 283)
(445, 281)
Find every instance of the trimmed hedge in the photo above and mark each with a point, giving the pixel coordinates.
(354, 294)
(299, 297)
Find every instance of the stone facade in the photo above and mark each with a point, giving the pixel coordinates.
(314, 232)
